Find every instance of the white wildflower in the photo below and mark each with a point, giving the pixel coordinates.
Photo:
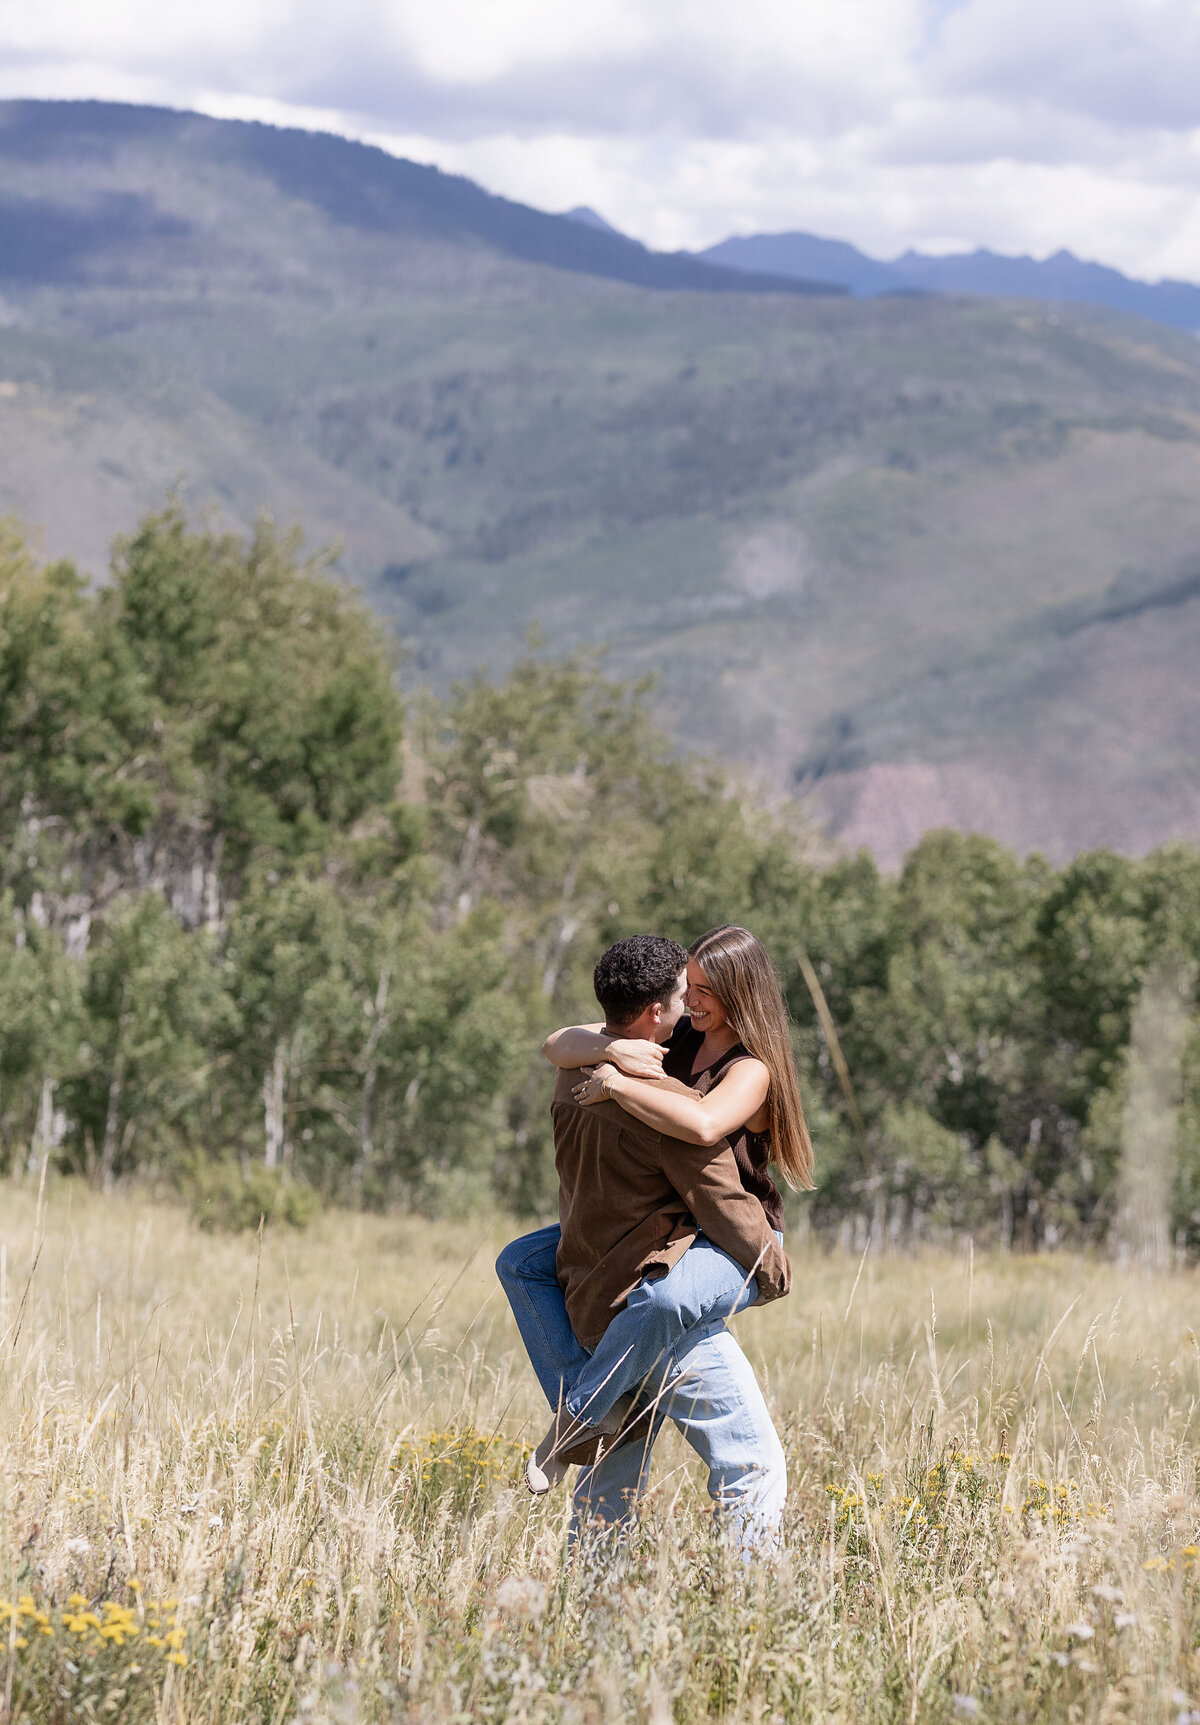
(967, 1706)
(1081, 1631)
(522, 1596)
(78, 1547)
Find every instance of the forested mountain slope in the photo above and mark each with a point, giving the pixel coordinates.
(924, 560)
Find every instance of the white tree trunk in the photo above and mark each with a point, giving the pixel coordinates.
(1153, 1086)
(366, 1122)
(213, 920)
(44, 1139)
(273, 1091)
(108, 1149)
(468, 858)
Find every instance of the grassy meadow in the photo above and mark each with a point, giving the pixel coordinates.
(279, 1480)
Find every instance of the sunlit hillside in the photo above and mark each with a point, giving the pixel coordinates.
(921, 560)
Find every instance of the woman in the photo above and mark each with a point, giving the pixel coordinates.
(735, 1053)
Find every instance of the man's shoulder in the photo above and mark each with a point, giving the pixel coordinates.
(566, 1078)
(598, 1122)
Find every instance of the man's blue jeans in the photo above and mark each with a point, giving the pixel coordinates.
(670, 1336)
(715, 1401)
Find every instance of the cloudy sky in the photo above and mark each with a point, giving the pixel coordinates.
(1024, 125)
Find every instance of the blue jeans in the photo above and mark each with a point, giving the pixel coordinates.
(714, 1399)
(693, 1299)
(671, 1336)
(663, 1313)
(529, 1276)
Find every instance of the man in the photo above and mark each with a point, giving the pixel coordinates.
(631, 1202)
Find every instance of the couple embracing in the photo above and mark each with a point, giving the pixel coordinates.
(667, 1119)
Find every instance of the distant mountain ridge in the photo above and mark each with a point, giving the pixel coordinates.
(590, 219)
(1061, 277)
(355, 184)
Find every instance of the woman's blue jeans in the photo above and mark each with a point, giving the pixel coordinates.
(671, 1338)
(693, 1300)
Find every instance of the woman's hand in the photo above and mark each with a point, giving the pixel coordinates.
(596, 1085)
(635, 1057)
(736, 1097)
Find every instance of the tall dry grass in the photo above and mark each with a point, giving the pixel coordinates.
(305, 1456)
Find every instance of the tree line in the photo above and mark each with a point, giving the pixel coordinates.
(256, 913)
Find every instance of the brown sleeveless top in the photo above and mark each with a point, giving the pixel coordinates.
(752, 1150)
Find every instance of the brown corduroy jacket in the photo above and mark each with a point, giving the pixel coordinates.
(631, 1200)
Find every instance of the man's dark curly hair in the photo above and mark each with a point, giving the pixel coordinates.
(635, 973)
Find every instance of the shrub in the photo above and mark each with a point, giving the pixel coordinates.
(226, 1196)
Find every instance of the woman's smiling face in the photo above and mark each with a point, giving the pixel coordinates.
(704, 1009)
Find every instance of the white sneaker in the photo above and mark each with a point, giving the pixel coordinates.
(567, 1436)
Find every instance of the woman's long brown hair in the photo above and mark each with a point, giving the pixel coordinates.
(742, 977)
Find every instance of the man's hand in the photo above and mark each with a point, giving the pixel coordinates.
(594, 1086)
(636, 1058)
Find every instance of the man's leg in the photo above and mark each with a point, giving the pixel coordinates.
(714, 1399)
(706, 1286)
(717, 1404)
(607, 1493)
(527, 1272)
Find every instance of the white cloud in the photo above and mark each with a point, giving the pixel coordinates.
(459, 42)
(1127, 63)
(1019, 124)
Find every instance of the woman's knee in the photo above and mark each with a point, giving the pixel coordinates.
(658, 1298)
(676, 1305)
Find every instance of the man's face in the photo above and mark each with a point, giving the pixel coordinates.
(673, 1011)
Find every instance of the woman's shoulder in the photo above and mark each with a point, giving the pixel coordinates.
(738, 1059)
(740, 1055)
